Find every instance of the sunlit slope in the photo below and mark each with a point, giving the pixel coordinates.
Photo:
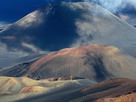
(110, 91)
(124, 98)
(12, 89)
(96, 62)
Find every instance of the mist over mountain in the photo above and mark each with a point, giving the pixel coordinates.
(128, 14)
(62, 25)
(68, 51)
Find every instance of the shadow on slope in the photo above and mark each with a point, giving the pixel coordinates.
(111, 88)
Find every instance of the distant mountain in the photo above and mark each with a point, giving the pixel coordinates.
(128, 14)
(96, 62)
(67, 24)
(29, 58)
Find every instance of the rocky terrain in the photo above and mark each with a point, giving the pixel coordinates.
(95, 62)
(115, 90)
(74, 89)
(13, 89)
(68, 52)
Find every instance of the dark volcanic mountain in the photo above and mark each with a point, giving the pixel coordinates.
(95, 62)
(62, 25)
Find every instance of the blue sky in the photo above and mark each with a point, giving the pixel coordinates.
(12, 10)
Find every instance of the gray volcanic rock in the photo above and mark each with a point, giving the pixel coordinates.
(68, 77)
(122, 89)
(13, 89)
(62, 25)
(17, 71)
(24, 89)
(96, 62)
(109, 89)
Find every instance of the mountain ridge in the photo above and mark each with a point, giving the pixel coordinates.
(47, 28)
(95, 62)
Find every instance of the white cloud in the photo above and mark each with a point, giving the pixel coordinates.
(114, 5)
(8, 57)
(32, 47)
(3, 24)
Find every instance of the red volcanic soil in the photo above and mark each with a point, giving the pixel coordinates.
(31, 89)
(124, 98)
(28, 89)
(70, 61)
(78, 51)
(96, 62)
(108, 89)
(114, 90)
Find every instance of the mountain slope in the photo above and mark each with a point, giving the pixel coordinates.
(124, 98)
(96, 62)
(108, 89)
(13, 89)
(114, 89)
(61, 25)
(74, 89)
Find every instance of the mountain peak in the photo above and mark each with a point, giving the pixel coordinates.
(63, 25)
